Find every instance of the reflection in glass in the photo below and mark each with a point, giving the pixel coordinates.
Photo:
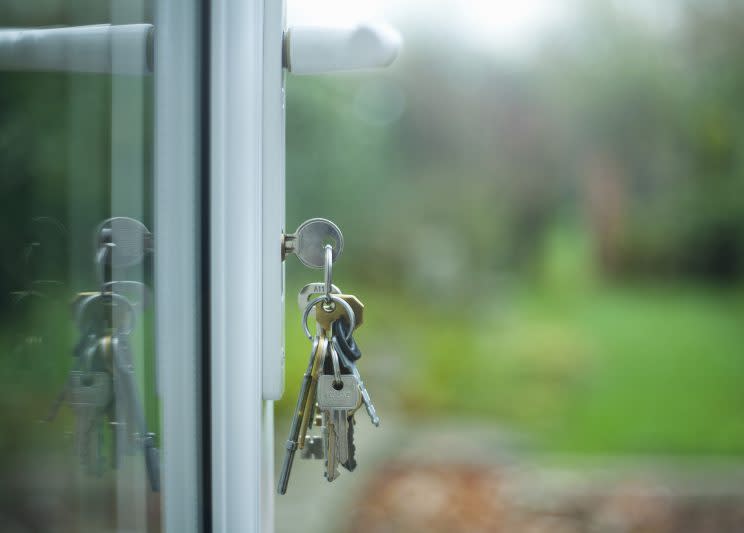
(78, 396)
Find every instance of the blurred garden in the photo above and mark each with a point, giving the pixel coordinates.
(555, 242)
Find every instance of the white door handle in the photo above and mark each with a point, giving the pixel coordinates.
(321, 49)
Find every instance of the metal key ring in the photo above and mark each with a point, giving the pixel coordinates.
(328, 272)
(336, 299)
(336, 365)
(114, 297)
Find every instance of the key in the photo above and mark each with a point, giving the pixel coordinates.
(332, 395)
(350, 464)
(325, 317)
(309, 240)
(340, 416)
(312, 290)
(313, 448)
(341, 425)
(369, 406)
(336, 398)
(330, 440)
(297, 427)
(308, 411)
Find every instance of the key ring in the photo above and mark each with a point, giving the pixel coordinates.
(336, 366)
(328, 272)
(336, 299)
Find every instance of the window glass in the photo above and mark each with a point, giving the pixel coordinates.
(78, 398)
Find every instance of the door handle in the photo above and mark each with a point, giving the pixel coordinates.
(322, 49)
(79, 49)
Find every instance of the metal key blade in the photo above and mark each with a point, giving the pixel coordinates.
(330, 440)
(297, 418)
(341, 424)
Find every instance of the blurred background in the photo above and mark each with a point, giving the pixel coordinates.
(543, 206)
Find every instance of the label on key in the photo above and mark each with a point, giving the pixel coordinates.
(331, 397)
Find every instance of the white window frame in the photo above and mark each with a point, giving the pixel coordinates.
(178, 251)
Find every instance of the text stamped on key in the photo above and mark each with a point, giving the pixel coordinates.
(347, 397)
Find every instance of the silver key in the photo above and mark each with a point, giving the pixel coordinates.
(336, 397)
(311, 290)
(329, 397)
(309, 241)
(341, 424)
(368, 405)
(134, 412)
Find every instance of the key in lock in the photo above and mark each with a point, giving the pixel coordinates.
(309, 240)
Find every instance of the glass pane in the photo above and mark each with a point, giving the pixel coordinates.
(543, 208)
(79, 402)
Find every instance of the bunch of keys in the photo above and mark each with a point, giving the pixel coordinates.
(332, 389)
(101, 388)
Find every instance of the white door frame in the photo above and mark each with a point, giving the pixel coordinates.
(246, 214)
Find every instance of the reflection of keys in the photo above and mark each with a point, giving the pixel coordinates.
(88, 394)
(134, 412)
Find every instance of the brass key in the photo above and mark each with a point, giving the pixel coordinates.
(326, 316)
(298, 429)
(309, 403)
